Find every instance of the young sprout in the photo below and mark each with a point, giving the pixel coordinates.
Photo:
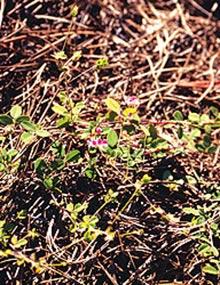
(77, 55)
(110, 196)
(102, 63)
(74, 11)
(60, 55)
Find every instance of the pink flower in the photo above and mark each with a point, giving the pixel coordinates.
(91, 143)
(135, 144)
(102, 142)
(98, 130)
(97, 143)
(132, 101)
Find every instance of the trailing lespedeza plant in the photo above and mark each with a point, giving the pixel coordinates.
(118, 135)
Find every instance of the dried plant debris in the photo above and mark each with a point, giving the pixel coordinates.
(109, 142)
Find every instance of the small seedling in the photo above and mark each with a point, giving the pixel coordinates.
(74, 11)
(102, 63)
(60, 55)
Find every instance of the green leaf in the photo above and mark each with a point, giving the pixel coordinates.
(93, 221)
(12, 152)
(195, 133)
(20, 262)
(63, 122)
(16, 111)
(178, 116)
(58, 149)
(214, 111)
(88, 236)
(4, 153)
(153, 131)
(5, 253)
(112, 138)
(60, 55)
(89, 173)
(146, 179)
(48, 182)
(74, 11)
(113, 105)
(111, 116)
(145, 130)
(191, 211)
(21, 215)
(208, 129)
(73, 155)
(14, 240)
(27, 137)
(20, 243)
(70, 207)
(215, 251)
(89, 221)
(43, 133)
(212, 149)
(207, 141)
(39, 165)
(22, 119)
(32, 233)
(191, 180)
(194, 117)
(57, 164)
(80, 207)
(2, 167)
(102, 63)
(206, 249)
(77, 55)
(5, 120)
(180, 132)
(110, 196)
(58, 109)
(204, 119)
(210, 269)
(28, 126)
